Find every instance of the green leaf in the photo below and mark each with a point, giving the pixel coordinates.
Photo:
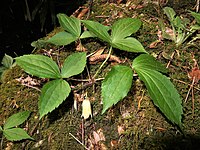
(196, 16)
(87, 34)
(129, 44)
(62, 38)
(163, 93)
(53, 94)
(16, 134)
(125, 27)
(164, 33)
(146, 61)
(116, 85)
(16, 119)
(39, 65)
(170, 13)
(7, 61)
(194, 28)
(39, 43)
(1, 129)
(73, 65)
(70, 24)
(98, 29)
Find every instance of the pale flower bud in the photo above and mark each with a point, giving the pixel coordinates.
(86, 109)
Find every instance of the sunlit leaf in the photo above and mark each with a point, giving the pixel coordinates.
(73, 65)
(62, 38)
(146, 61)
(116, 85)
(124, 27)
(16, 134)
(39, 65)
(87, 34)
(70, 24)
(16, 119)
(129, 44)
(98, 29)
(162, 92)
(53, 94)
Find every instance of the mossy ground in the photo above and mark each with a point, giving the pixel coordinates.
(143, 127)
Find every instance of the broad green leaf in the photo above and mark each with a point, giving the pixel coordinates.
(1, 128)
(87, 34)
(129, 44)
(39, 65)
(39, 43)
(170, 13)
(146, 61)
(73, 65)
(124, 27)
(116, 85)
(98, 29)
(16, 134)
(62, 38)
(7, 61)
(70, 24)
(163, 94)
(53, 94)
(196, 16)
(16, 119)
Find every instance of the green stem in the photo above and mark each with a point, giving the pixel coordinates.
(110, 50)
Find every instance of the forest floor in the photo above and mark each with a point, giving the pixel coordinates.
(134, 122)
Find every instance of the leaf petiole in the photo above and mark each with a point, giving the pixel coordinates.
(109, 53)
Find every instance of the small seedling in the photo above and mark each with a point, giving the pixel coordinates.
(13, 133)
(57, 90)
(7, 63)
(181, 30)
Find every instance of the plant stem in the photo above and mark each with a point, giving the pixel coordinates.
(109, 53)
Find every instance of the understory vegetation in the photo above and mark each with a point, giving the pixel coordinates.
(122, 75)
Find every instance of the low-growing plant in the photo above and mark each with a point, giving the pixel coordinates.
(181, 27)
(117, 82)
(13, 133)
(55, 91)
(7, 63)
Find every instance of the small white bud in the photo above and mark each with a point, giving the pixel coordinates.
(86, 109)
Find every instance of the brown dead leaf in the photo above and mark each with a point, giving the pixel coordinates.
(80, 48)
(95, 142)
(120, 129)
(194, 75)
(82, 13)
(114, 143)
(99, 52)
(154, 44)
(97, 58)
(98, 136)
